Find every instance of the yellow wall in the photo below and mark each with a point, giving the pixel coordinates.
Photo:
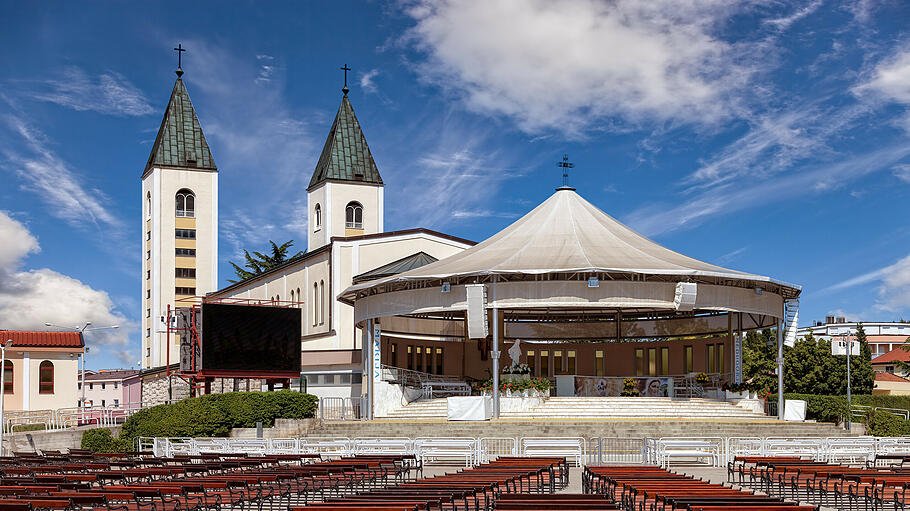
(66, 373)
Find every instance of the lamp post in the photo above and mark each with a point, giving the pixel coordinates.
(7, 344)
(849, 400)
(82, 330)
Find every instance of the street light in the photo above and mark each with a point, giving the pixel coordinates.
(84, 328)
(3, 347)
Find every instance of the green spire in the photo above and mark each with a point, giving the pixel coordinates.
(346, 155)
(180, 142)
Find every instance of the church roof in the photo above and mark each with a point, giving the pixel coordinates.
(395, 267)
(346, 155)
(180, 141)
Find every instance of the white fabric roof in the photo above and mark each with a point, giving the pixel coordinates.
(566, 233)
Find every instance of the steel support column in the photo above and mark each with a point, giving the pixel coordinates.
(780, 364)
(495, 355)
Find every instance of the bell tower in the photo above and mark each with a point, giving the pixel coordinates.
(179, 223)
(345, 195)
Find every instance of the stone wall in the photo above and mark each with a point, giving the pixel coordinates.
(34, 441)
(159, 388)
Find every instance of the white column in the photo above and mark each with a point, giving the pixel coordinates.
(26, 380)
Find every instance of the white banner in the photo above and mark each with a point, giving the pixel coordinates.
(377, 354)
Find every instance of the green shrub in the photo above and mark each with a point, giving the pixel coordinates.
(101, 440)
(216, 414)
(882, 423)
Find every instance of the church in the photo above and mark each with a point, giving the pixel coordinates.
(346, 244)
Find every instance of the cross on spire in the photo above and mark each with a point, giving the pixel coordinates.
(565, 165)
(345, 89)
(179, 49)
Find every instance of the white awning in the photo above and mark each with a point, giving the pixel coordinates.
(567, 234)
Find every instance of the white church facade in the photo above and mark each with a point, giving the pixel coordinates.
(346, 244)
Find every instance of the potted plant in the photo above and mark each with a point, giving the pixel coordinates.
(735, 391)
(629, 388)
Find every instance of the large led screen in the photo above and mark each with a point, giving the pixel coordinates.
(250, 338)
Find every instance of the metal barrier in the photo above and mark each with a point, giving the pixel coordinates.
(490, 448)
(342, 408)
(599, 450)
(616, 450)
(542, 447)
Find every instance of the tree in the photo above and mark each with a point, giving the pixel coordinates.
(760, 360)
(810, 368)
(259, 263)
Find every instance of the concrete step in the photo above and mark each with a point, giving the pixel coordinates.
(573, 428)
(599, 408)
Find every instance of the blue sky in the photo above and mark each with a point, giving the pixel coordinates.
(771, 137)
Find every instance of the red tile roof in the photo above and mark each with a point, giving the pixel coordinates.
(880, 376)
(40, 339)
(892, 339)
(896, 354)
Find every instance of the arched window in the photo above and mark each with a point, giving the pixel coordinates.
(299, 296)
(148, 205)
(353, 216)
(321, 302)
(292, 295)
(46, 377)
(317, 217)
(186, 203)
(8, 377)
(315, 304)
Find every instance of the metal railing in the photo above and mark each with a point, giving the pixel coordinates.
(596, 451)
(63, 418)
(342, 408)
(612, 450)
(858, 412)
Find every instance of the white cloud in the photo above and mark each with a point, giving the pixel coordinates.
(894, 291)
(29, 298)
(568, 64)
(776, 142)
(893, 285)
(902, 172)
(731, 256)
(784, 22)
(110, 93)
(890, 81)
(455, 180)
(891, 78)
(730, 197)
(367, 82)
(18, 242)
(53, 181)
(266, 68)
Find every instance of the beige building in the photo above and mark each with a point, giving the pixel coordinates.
(179, 224)
(346, 243)
(41, 369)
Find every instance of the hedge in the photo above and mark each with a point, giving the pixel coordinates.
(213, 415)
(882, 423)
(101, 440)
(834, 408)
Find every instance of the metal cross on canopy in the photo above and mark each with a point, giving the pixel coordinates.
(565, 165)
(179, 49)
(345, 89)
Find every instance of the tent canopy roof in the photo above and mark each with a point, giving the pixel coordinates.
(567, 234)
